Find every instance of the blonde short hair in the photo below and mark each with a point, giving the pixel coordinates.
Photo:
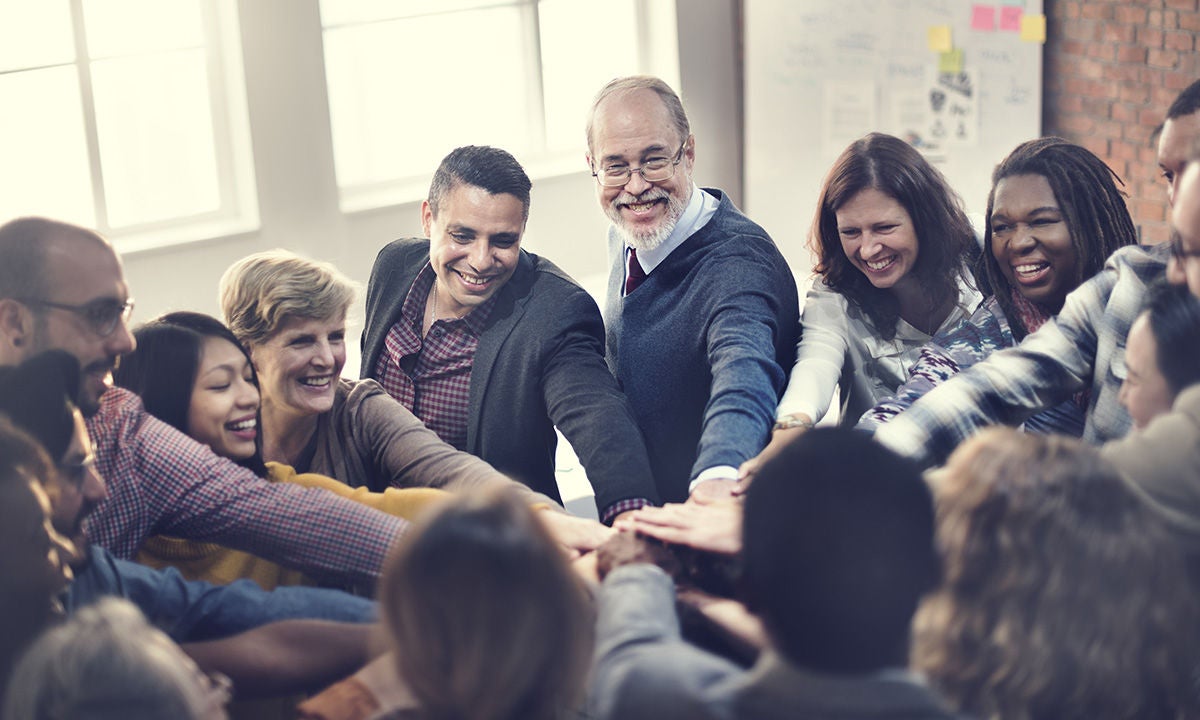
(260, 291)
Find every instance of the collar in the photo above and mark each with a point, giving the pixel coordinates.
(700, 209)
(413, 309)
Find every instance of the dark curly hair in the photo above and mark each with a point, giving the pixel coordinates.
(1091, 203)
(1062, 596)
(944, 234)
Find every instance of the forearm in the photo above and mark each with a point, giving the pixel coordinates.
(286, 657)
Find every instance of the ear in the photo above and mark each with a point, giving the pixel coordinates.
(426, 217)
(689, 151)
(16, 331)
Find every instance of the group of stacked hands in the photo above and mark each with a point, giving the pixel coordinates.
(475, 351)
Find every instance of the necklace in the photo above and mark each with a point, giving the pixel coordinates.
(434, 312)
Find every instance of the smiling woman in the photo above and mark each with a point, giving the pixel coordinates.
(1054, 216)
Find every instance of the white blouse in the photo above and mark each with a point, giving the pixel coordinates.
(839, 346)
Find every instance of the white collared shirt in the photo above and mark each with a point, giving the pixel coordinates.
(700, 209)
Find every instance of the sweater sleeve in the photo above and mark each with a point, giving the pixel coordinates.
(820, 354)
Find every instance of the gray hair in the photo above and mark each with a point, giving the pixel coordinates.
(105, 662)
(631, 83)
(261, 291)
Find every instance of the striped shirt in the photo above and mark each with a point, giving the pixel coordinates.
(1082, 348)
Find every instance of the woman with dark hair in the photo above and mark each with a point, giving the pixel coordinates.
(485, 618)
(1054, 215)
(192, 373)
(1063, 596)
(892, 243)
(1162, 353)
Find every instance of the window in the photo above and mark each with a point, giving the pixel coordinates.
(135, 128)
(409, 80)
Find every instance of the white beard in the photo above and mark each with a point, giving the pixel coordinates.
(652, 238)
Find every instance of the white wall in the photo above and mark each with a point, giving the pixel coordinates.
(297, 192)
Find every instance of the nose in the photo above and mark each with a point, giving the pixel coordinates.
(869, 246)
(1123, 394)
(1175, 274)
(1022, 237)
(121, 340)
(480, 254)
(247, 396)
(324, 353)
(94, 488)
(1173, 188)
(636, 185)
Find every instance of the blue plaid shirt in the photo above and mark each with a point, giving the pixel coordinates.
(1082, 348)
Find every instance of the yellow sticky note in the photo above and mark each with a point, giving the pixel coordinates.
(1033, 28)
(939, 38)
(951, 62)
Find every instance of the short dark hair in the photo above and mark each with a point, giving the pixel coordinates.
(162, 370)
(944, 234)
(1174, 315)
(492, 169)
(839, 548)
(1186, 103)
(1091, 203)
(39, 397)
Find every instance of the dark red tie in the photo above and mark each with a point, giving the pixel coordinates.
(636, 274)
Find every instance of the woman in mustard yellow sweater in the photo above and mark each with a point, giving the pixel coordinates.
(192, 373)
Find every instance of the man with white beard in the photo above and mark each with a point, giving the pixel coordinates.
(702, 311)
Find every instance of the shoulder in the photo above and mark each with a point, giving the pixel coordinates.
(404, 250)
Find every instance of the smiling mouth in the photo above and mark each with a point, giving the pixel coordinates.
(244, 425)
(880, 265)
(1028, 272)
(478, 281)
(319, 382)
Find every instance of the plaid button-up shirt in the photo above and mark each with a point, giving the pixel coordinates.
(160, 481)
(431, 375)
(1083, 347)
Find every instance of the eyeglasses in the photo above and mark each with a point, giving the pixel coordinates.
(1178, 251)
(75, 474)
(652, 171)
(101, 315)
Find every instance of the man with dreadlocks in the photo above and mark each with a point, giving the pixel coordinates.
(1081, 349)
(1054, 215)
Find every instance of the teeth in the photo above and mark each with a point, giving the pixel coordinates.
(316, 381)
(473, 279)
(1029, 269)
(879, 264)
(248, 424)
(640, 207)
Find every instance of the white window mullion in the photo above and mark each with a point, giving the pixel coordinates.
(536, 110)
(83, 67)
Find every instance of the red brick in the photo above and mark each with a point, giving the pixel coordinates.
(1136, 94)
(1189, 21)
(1090, 69)
(1123, 151)
(1151, 77)
(1123, 113)
(1097, 107)
(1177, 81)
(1096, 11)
(1150, 37)
(1154, 233)
(1098, 145)
(1150, 116)
(1069, 10)
(1137, 133)
(1181, 4)
(1131, 54)
(1112, 32)
(1148, 156)
(1130, 14)
(1073, 47)
(1161, 98)
(1082, 30)
(1068, 103)
(1162, 58)
(1149, 210)
(1122, 73)
(1080, 124)
(1179, 41)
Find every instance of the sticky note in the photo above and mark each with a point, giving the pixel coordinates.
(939, 38)
(1033, 28)
(951, 62)
(1010, 18)
(983, 18)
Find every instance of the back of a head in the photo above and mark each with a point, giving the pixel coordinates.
(261, 291)
(489, 620)
(23, 244)
(38, 396)
(492, 169)
(838, 550)
(107, 663)
(1063, 597)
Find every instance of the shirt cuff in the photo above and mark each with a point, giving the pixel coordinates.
(612, 511)
(719, 472)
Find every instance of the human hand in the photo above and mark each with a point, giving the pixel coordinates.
(780, 438)
(713, 490)
(626, 548)
(712, 527)
(578, 535)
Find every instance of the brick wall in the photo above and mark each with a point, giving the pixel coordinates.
(1112, 67)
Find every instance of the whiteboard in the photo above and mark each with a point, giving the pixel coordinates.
(820, 73)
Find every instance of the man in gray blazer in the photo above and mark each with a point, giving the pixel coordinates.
(493, 347)
(838, 544)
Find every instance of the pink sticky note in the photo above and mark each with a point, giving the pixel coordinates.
(1010, 18)
(983, 17)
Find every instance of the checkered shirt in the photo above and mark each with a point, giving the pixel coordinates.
(431, 376)
(160, 481)
(1082, 348)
